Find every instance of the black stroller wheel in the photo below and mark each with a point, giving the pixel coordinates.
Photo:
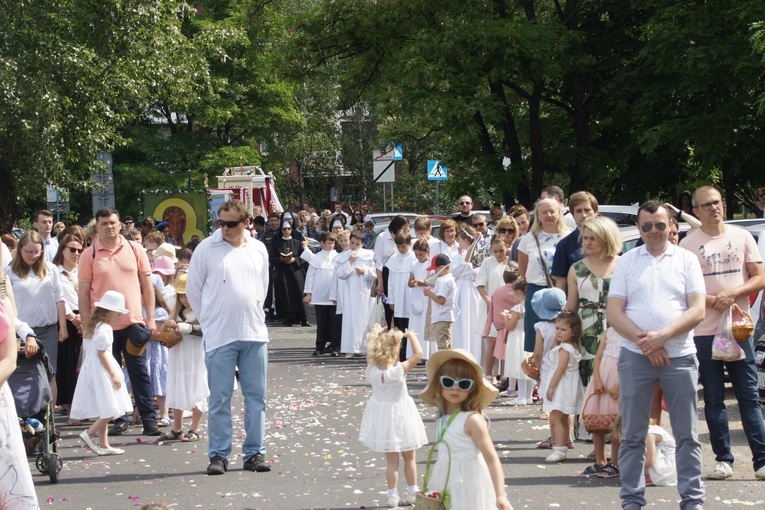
(55, 463)
(42, 463)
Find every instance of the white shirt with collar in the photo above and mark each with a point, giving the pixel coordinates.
(656, 292)
(51, 247)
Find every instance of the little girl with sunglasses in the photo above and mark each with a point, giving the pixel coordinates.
(391, 423)
(468, 472)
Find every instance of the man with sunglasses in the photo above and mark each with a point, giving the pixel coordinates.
(466, 207)
(655, 300)
(482, 226)
(226, 287)
(733, 271)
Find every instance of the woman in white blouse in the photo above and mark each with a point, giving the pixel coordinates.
(535, 256)
(39, 298)
(67, 261)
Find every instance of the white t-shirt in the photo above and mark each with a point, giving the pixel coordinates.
(656, 292)
(723, 262)
(535, 273)
(445, 286)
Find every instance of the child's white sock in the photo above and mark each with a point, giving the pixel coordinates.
(392, 492)
(413, 489)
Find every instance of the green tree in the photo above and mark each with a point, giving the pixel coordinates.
(72, 73)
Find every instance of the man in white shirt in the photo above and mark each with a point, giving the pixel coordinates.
(44, 225)
(482, 226)
(655, 300)
(226, 287)
(732, 268)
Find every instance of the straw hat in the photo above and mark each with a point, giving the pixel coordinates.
(166, 250)
(548, 303)
(486, 392)
(112, 300)
(180, 283)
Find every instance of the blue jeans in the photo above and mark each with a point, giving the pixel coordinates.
(637, 378)
(743, 375)
(252, 360)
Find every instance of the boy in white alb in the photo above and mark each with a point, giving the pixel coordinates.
(319, 282)
(442, 294)
(356, 270)
(399, 293)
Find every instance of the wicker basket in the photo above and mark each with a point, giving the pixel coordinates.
(423, 501)
(169, 337)
(598, 423)
(743, 325)
(529, 369)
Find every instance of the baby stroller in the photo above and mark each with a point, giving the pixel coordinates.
(30, 384)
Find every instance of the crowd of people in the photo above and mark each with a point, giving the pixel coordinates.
(538, 306)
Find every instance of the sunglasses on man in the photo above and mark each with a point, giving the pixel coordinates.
(230, 224)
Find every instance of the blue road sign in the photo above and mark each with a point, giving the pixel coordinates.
(437, 171)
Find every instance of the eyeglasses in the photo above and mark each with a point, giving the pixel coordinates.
(230, 224)
(357, 214)
(466, 203)
(479, 224)
(128, 222)
(74, 250)
(709, 205)
(286, 228)
(506, 231)
(462, 384)
(648, 226)
(32, 253)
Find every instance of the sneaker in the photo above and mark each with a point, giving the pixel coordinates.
(150, 428)
(217, 466)
(110, 451)
(722, 471)
(119, 428)
(393, 500)
(410, 498)
(760, 473)
(257, 463)
(518, 402)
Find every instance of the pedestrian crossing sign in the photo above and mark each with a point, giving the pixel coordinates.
(436, 171)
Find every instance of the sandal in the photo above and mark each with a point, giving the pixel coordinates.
(192, 435)
(609, 471)
(570, 445)
(593, 470)
(73, 423)
(547, 444)
(544, 416)
(173, 435)
(163, 422)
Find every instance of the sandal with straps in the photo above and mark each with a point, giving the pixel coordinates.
(173, 435)
(609, 471)
(192, 435)
(593, 470)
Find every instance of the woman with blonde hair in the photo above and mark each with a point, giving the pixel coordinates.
(535, 256)
(39, 297)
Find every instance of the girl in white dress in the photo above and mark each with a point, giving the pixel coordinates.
(564, 389)
(456, 387)
(391, 423)
(514, 353)
(488, 280)
(187, 388)
(100, 393)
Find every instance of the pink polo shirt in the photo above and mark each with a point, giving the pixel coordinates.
(118, 270)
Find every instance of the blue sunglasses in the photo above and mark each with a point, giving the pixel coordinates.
(462, 384)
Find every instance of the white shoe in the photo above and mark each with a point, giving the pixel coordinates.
(760, 473)
(88, 441)
(518, 402)
(393, 500)
(558, 454)
(722, 471)
(110, 451)
(410, 498)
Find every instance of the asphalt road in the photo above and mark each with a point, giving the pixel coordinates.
(315, 406)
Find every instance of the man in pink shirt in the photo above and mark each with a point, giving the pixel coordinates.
(114, 263)
(732, 268)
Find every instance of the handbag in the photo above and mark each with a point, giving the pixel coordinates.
(435, 500)
(593, 422)
(724, 345)
(170, 337)
(742, 323)
(548, 278)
